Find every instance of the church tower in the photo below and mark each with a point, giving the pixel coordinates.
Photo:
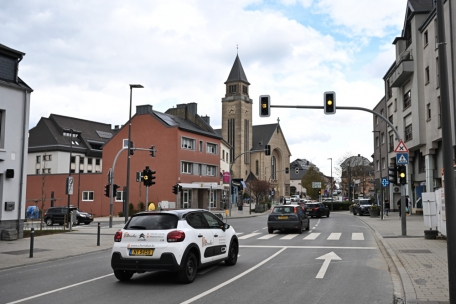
(237, 119)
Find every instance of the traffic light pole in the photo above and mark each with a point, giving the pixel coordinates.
(111, 182)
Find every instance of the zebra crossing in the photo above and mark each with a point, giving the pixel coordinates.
(334, 236)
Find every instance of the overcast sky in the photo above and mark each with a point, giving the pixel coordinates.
(81, 57)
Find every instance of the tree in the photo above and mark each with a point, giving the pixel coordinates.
(259, 189)
(312, 175)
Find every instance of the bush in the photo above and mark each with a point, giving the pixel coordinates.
(337, 206)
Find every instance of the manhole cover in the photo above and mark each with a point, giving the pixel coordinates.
(415, 251)
(25, 251)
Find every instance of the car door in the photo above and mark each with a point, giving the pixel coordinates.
(203, 235)
(219, 248)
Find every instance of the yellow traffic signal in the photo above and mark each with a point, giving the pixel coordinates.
(265, 106)
(330, 102)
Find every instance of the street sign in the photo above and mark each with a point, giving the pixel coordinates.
(69, 185)
(401, 148)
(385, 182)
(402, 158)
(316, 185)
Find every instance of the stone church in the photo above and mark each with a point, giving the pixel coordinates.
(238, 131)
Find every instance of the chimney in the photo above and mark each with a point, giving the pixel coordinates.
(144, 109)
(206, 119)
(192, 108)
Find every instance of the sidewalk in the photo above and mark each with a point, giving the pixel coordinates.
(421, 264)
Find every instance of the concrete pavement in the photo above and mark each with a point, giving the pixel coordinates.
(419, 267)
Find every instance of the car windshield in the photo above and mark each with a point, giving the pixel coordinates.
(283, 209)
(159, 221)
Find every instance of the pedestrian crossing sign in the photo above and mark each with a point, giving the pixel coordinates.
(402, 158)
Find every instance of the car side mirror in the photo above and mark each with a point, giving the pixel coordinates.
(223, 227)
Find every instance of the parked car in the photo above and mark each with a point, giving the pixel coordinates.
(361, 206)
(284, 217)
(180, 241)
(294, 198)
(57, 215)
(287, 201)
(316, 209)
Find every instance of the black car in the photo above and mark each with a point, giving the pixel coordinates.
(57, 215)
(316, 209)
(288, 217)
(361, 207)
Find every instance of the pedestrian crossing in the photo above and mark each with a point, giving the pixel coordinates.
(334, 236)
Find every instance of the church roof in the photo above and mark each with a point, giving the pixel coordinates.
(237, 72)
(262, 134)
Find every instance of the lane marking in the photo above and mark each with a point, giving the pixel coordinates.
(233, 279)
(267, 236)
(312, 236)
(248, 235)
(59, 289)
(306, 247)
(289, 236)
(334, 236)
(327, 257)
(357, 236)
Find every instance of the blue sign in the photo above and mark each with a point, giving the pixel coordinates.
(385, 182)
(402, 158)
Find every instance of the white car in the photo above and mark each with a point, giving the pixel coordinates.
(179, 241)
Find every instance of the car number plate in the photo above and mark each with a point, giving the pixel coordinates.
(147, 252)
(309, 209)
(283, 217)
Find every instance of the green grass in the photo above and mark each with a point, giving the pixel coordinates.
(44, 232)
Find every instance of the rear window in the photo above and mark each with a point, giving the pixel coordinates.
(283, 209)
(158, 221)
(312, 205)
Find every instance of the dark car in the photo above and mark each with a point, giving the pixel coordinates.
(362, 206)
(316, 209)
(288, 217)
(57, 215)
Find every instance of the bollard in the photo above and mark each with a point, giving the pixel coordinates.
(32, 234)
(98, 235)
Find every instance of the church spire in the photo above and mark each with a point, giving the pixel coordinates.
(237, 72)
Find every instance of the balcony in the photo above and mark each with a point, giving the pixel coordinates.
(403, 71)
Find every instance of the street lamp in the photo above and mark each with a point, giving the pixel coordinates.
(331, 188)
(127, 198)
(381, 168)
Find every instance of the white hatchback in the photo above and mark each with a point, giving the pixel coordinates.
(179, 241)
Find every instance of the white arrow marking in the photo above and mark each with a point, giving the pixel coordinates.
(327, 257)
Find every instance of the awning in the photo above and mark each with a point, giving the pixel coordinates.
(213, 186)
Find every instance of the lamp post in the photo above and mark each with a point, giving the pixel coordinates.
(381, 168)
(331, 188)
(127, 198)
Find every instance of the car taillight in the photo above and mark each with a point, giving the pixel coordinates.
(316, 208)
(175, 236)
(118, 236)
(295, 210)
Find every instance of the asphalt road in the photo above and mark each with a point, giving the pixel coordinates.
(280, 268)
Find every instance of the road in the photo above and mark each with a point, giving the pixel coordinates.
(337, 261)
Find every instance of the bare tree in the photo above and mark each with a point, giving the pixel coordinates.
(259, 189)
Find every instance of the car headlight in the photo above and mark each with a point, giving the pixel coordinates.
(82, 215)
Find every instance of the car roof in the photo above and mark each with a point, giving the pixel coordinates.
(179, 212)
(288, 205)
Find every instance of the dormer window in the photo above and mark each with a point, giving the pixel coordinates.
(232, 89)
(245, 90)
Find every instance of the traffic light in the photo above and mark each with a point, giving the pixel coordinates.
(287, 170)
(114, 189)
(330, 102)
(265, 106)
(131, 148)
(267, 150)
(107, 190)
(175, 189)
(145, 177)
(151, 177)
(180, 188)
(297, 170)
(392, 174)
(402, 172)
(152, 151)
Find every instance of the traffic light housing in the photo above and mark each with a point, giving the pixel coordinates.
(114, 189)
(180, 188)
(152, 151)
(151, 177)
(330, 102)
(267, 150)
(402, 174)
(131, 148)
(175, 189)
(107, 187)
(265, 106)
(297, 170)
(287, 170)
(145, 177)
(392, 174)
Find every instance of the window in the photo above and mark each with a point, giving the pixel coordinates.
(89, 164)
(383, 163)
(125, 143)
(87, 196)
(46, 170)
(231, 135)
(436, 30)
(81, 164)
(383, 138)
(390, 89)
(97, 162)
(376, 142)
(426, 38)
(38, 159)
(273, 168)
(201, 146)
(421, 163)
(119, 196)
(2, 128)
(211, 170)
(211, 148)
(395, 104)
(232, 89)
(426, 75)
(408, 128)
(428, 111)
(257, 168)
(391, 142)
(245, 90)
(187, 167)
(390, 118)
(407, 100)
(378, 165)
(188, 143)
(200, 169)
(223, 155)
(73, 164)
(376, 120)
(38, 171)
(437, 71)
(47, 157)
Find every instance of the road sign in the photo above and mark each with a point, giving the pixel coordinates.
(401, 148)
(402, 158)
(385, 182)
(316, 185)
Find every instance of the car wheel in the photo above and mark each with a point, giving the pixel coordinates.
(308, 225)
(86, 223)
(270, 230)
(49, 222)
(123, 275)
(189, 269)
(232, 255)
(318, 214)
(360, 213)
(299, 230)
(327, 215)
